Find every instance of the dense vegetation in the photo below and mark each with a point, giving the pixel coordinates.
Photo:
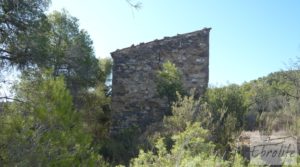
(59, 112)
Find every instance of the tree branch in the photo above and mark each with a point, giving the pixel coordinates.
(5, 58)
(136, 5)
(2, 50)
(9, 98)
(288, 94)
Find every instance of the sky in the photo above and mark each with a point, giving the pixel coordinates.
(249, 38)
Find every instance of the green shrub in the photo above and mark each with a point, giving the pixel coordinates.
(43, 129)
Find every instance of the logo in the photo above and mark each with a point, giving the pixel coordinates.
(273, 150)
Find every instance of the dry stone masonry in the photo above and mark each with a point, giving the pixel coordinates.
(135, 101)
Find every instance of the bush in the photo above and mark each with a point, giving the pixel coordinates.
(169, 82)
(42, 128)
(226, 106)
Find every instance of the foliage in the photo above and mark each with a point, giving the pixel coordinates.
(183, 141)
(95, 110)
(185, 109)
(226, 108)
(120, 148)
(169, 82)
(71, 52)
(106, 74)
(44, 129)
(41, 122)
(23, 29)
(95, 106)
(191, 146)
(30, 39)
(190, 149)
(105, 68)
(273, 101)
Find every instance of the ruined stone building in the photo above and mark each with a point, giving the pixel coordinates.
(135, 101)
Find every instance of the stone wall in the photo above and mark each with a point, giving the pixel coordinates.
(135, 102)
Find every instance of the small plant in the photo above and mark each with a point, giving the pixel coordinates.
(169, 82)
